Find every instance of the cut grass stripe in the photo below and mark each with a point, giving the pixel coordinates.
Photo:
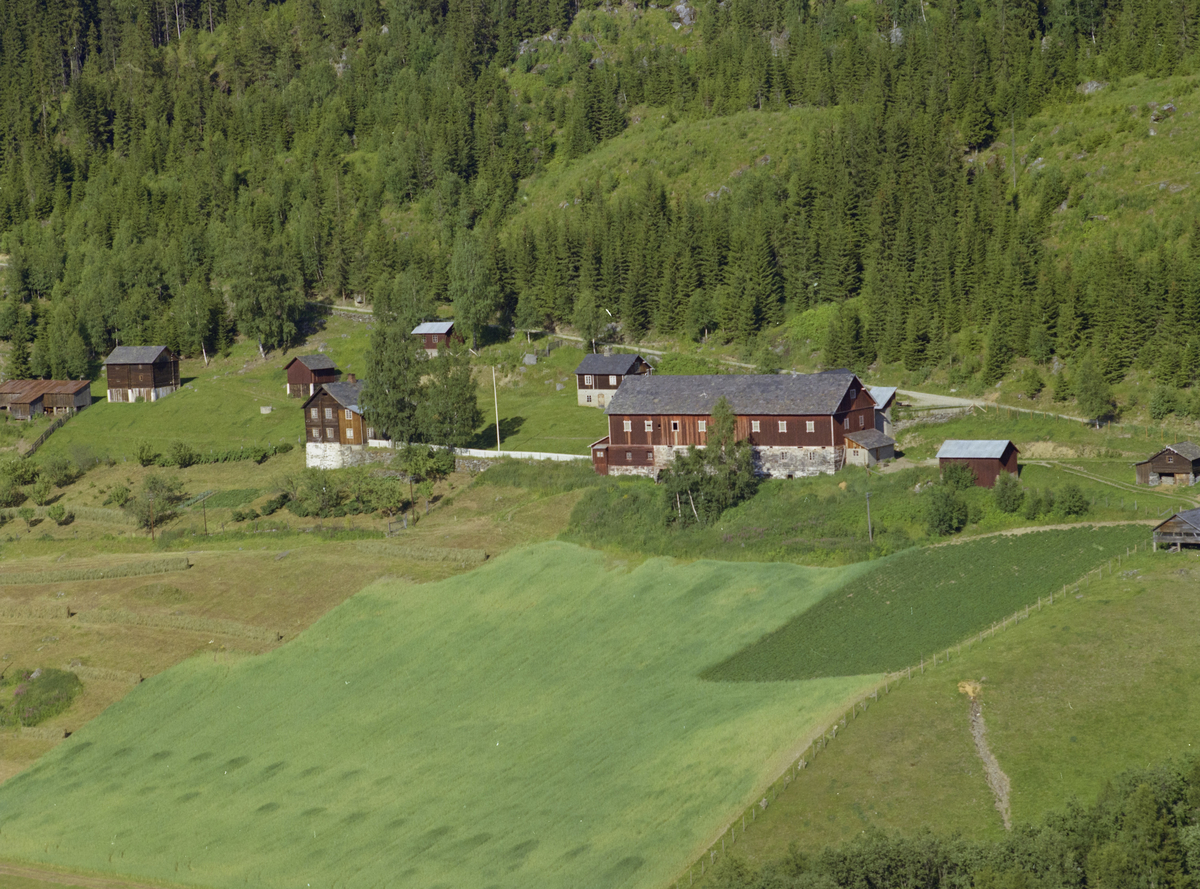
(212, 625)
(66, 575)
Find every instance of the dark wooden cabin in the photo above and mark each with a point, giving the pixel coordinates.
(306, 372)
(986, 457)
(599, 376)
(1177, 464)
(436, 335)
(25, 399)
(145, 372)
(797, 423)
(333, 414)
(1181, 529)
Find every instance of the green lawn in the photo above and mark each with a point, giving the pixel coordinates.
(538, 722)
(1083, 690)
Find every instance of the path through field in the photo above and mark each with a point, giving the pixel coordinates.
(997, 781)
(58, 878)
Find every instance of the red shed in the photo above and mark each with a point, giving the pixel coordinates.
(307, 372)
(987, 458)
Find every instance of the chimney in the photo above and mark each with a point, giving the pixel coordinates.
(351, 378)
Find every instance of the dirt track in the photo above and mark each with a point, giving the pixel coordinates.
(59, 878)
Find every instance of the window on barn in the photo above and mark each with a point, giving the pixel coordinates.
(628, 455)
(587, 379)
(1170, 459)
(846, 423)
(853, 394)
(810, 425)
(589, 399)
(862, 421)
(783, 425)
(612, 380)
(754, 425)
(649, 456)
(703, 425)
(628, 425)
(649, 425)
(674, 425)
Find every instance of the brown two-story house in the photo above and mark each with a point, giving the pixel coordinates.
(332, 415)
(145, 372)
(599, 376)
(797, 424)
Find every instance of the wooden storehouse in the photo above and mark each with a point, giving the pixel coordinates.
(885, 399)
(436, 335)
(333, 415)
(986, 457)
(25, 399)
(599, 376)
(1181, 529)
(1177, 464)
(306, 372)
(797, 424)
(869, 447)
(145, 372)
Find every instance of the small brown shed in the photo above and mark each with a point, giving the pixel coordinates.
(145, 372)
(1181, 529)
(24, 399)
(436, 335)
(986, 457)
(306, 372)
(1177, 464)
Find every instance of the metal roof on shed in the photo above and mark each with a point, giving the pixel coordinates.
(974, 449)
(607, 364)
(803, 394)
(434, 327)
(135, 354)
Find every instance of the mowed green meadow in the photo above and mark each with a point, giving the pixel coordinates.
(537, 722)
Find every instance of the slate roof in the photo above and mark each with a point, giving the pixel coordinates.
(870, 439)
(778, 395)
(599, 365)
(135, 354)
(882, 394)
(974, 449)
(434, 327)
(346, 394)
(1191, 516)
(313, 362)
(1186, 449)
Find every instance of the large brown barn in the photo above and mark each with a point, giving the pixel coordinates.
(797, 424)
(599, 376)
(25, 399)
(986, 458)
(1177, 464)
(306, 372)
(145, 372)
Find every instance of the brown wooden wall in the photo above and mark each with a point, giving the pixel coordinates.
(438, 340)
(299, 375)
(681, 430)
(160, 375)
(1177, 465)
(987, 470)
(601, 381)
(630, 455)
(331, 424)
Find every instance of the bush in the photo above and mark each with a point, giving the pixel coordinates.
(19, 471)
(1163, 402)
(283, 448)
(144, 453)
(275, 504)
(946, 513)
(1007, 493)
(58, 470)
(183, 454)
(118, 496)
(59, 515)
(31, 697)
(1071, 501)
(27, 513)
(958, 477)
(10, 494)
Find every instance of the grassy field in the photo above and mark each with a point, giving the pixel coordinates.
(536, 722)
(1081, 691)
(919, 602)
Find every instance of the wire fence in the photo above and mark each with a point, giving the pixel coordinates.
(729, 837)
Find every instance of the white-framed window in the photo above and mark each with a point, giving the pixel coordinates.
(328, 413)
(629, 455)
(1170, 459)
(314, 413)
(702, 425)
(589, 399)
(649, 456)
(435, 337)
(754, 425)
(330, 433)
(599, 453)
(316, 434)
(587, 379)
(347, 413)
(810, 425)
(350, 433)
(862, 421)
(627, 425)
(853, 394)
(649, 425)
(783, 425)
(674, 425)
(612, 380)
(846, 423)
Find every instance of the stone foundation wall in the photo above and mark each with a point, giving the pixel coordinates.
(319, 455)
(644, 471)
(127, 396)
(796, 462)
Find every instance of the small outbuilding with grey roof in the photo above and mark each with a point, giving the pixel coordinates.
(987, 458)
(869, 447)
(599, 376)
(145, 372)
(1177, 464)
(1181, 529)
(885, 397)
(436, 335)
(306, 372)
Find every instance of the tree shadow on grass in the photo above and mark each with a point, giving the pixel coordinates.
(485, 438)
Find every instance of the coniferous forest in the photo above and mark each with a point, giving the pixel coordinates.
(181, 171)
